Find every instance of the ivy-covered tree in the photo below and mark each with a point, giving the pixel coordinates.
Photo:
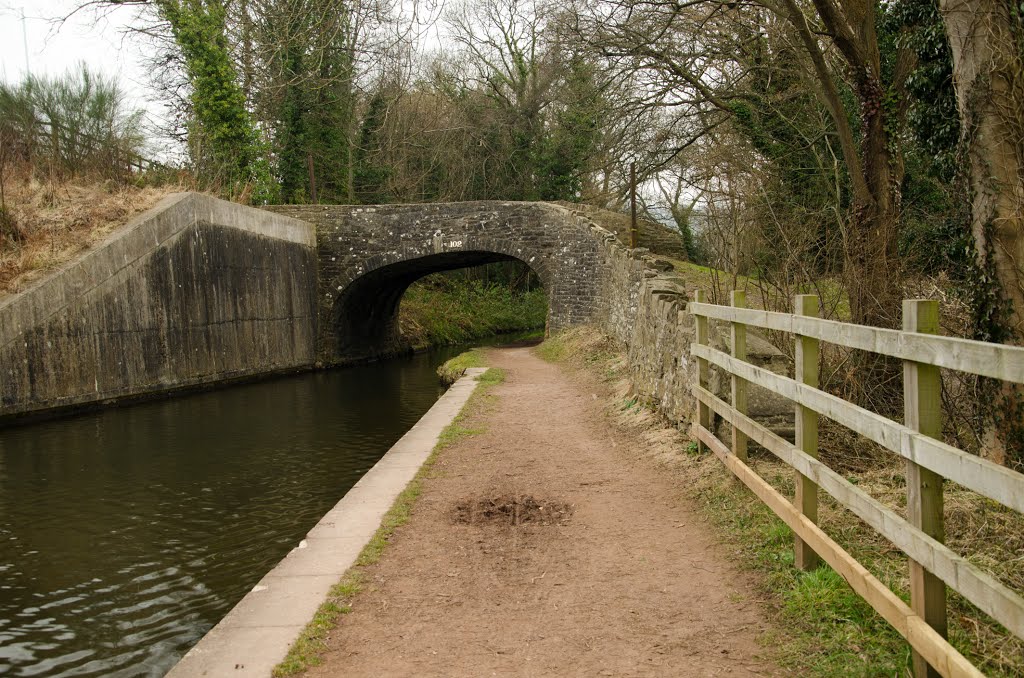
(304, 52)
(370, 175)
(223, 140)
(986, 40)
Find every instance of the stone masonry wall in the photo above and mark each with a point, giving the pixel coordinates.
(198, 291)
(191, 292)
(642, 305)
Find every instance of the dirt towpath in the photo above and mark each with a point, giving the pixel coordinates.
(546, 546)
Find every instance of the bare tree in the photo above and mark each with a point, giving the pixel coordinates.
(697, 58)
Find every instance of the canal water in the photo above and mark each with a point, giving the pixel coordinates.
(127, 533)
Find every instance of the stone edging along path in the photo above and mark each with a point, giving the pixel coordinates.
(257, 633)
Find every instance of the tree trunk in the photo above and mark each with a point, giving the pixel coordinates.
(872, 268)
(986, 42)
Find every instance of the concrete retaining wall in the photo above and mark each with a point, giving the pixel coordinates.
(194, 291)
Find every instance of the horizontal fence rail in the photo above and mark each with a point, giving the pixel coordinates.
(964, 355)
(983, 476)
(933, 565)
(922, 637)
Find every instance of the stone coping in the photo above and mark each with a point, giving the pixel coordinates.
(256, 634)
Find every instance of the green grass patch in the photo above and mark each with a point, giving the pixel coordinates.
(307, 651)
(591, 347)
(440, 310)
(452, 370)
(555, 349)
(829, 629)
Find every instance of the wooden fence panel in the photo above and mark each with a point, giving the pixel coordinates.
(983, 476)
(972, 582)
(933, 565)
(923, 638)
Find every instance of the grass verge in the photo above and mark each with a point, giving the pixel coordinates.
(441, 311)
(307, 651)
(452, 370)
(45, 225)
(822, 628)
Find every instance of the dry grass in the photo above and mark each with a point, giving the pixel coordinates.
(50, 224)
(829, 631)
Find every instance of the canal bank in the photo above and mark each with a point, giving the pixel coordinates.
(127, 533)
(256, 635)
(550, 542)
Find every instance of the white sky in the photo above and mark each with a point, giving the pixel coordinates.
(97, 38)
(100, 38)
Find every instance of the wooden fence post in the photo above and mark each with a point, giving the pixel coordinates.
(739, 386)
(806, 498)
(703, 411)
(312, 179)
(922, 411)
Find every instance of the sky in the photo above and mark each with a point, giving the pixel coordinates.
(97, 38)
(101, 39)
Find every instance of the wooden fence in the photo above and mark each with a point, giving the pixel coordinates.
(933, 566)
(72, 146)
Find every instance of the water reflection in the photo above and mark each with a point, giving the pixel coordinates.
(126, 534)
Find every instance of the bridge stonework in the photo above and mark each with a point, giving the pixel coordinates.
(199, 291)
(369, 255)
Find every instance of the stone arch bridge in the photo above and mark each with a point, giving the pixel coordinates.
(199, 292)
(368, 256)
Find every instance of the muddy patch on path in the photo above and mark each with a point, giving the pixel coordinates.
(510, 508)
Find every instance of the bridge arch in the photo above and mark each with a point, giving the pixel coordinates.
(368, 256)
(365, 314)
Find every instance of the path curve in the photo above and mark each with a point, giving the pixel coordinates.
(630, 584)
